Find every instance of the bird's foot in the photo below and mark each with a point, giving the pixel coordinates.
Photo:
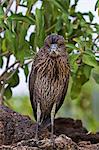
(53, 142)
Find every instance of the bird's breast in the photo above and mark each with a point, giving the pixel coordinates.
(50, 80)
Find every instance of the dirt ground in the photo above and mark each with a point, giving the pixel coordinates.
(17, 132)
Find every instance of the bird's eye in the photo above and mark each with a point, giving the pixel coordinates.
(60, 44)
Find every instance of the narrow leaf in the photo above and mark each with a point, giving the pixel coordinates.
(8, 92)
(20, 17)
(89, 60)
(26, 71)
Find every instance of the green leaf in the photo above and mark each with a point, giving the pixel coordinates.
(4, 45)
(10, 40)
(40, 32)
(32, 41)
(95, 75)
(8, 92)
(39, 20)
(14, 80)
(81, 76)
(97, 28)
(91, 16)
(89, 59)
(68, 24)
(87, 71)
(72, 11)
(22, 35)
(60, 4)
(75, 90)
(2, 23)
(26, 71)
(20, 17)
(23, 51)
(72, 59)
(1, 12)
(1, 62)
(97, 5)
(30, 3)
(76, 1)
(59, 24)
(72, 46)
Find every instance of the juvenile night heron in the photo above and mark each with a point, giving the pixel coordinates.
(48, 80)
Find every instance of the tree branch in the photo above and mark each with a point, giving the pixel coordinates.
(3, 74)
(8, 7)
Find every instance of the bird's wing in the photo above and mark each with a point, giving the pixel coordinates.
(32, 78)
(63, 92)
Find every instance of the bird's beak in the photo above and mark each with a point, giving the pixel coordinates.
(53, 48)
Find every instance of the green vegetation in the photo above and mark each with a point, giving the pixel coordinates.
(21, 105)
(81, 34)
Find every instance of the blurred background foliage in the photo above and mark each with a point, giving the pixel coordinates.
(82, 43)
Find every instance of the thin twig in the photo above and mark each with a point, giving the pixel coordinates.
(2, 2)
(26, 63)
(5, 54)
(17, 3)
(9, 77)
(8, 7)
(3, 74)
(50, 28)
(91, 23)
(97, 38)
(19, 65)
(3, 85)
(8, 59)
(12, 73)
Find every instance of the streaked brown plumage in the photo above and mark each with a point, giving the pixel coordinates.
(49, 77)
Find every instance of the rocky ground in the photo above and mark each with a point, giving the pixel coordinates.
(17, 133)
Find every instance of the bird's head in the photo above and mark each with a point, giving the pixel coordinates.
(55, 45)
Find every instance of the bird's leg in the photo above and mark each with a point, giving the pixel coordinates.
(38, 121)
(52, 123)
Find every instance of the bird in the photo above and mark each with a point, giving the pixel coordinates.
(48, 80)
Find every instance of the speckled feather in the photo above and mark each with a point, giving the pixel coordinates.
(49, 79)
